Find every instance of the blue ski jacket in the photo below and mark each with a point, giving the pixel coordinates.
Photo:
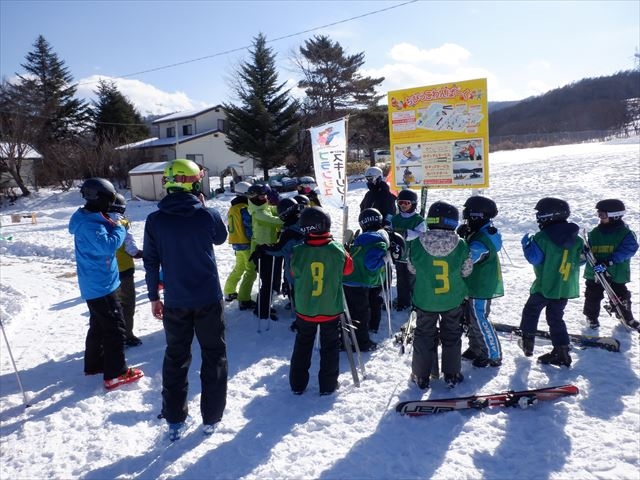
(96, 239)
(179, 238)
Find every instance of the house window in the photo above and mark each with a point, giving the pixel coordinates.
(171, 131)
(222, 125)
(187, 130)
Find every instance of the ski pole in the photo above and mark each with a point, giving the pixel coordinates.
(15, 369)
(387, 285)
(258, 298)
(273, 266)
(508, 257)
(346, 342)
(352, 332)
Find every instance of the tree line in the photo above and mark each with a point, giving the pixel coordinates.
(79, 139)
(266, 122)
(586, 109)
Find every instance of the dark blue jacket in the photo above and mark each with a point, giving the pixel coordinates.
(179, 238)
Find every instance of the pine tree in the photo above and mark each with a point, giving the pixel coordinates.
(116, 119)
(264, 125)
(332, 81)
(46, 92)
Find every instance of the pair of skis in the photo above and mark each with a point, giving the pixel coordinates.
(350, 343)
(510, 398)
(582, 341)
(405, 336)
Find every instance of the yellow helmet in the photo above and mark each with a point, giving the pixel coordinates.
(183, 175)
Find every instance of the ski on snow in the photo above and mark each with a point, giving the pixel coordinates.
(520, 399)
(405, 336)
(606, 343)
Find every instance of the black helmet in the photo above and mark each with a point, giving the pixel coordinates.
(99, 194)
(442, 216)
(370, 219)
(302, 200)
(314, 221)
(613, 207)
(288, 209)
(119, 205)
(551, 210)
(479, 208)
(409, 195)
(258, 189)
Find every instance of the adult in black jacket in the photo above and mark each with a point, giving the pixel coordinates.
(379, 196)
(179, 237)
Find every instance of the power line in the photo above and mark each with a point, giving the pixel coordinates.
(238, 49)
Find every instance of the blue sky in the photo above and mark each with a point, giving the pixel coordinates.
(523, 48)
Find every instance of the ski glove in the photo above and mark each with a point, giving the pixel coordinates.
(602, 266)
(526, 239)
(463, 230)
(257, 253)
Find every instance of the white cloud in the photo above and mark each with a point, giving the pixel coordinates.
(446, 54)
(399, 76)
(148, 99)
(537, 65)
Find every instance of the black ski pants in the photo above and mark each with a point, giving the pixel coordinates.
(594, 293)
(180, 324)
(405, 281)
(554, 311)
(359, 303)
(270, 279)
(329, 355)
(426, 338)
(104, 345)
(127, 298)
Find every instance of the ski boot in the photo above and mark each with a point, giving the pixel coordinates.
(453, 379)
(421, 383)
(469, 354)
(526, 343)
(593, 323)
(246, 304)
(558, 356)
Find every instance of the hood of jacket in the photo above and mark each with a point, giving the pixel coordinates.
(183, 204)
(379, 186)
(563, 234)
(239, 199)
(366, 238)
(439, 242)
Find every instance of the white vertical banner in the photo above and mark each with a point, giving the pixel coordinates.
(329, 144)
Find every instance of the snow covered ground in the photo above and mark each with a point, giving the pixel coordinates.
(75, 429)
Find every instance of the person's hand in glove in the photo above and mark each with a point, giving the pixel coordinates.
(601, 266)
(257, 253)
(463, 230)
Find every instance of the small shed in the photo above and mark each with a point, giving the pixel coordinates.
(146, 181)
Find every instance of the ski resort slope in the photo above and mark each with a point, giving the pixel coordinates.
(75, 429)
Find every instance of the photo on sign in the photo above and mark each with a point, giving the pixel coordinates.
(467, 150)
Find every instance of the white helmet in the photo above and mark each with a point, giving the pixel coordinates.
(242, 187)
(372, 174)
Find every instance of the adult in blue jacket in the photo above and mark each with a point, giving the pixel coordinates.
(96, 239)
(179, 238)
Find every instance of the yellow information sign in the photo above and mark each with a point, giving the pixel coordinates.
(440, 135)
